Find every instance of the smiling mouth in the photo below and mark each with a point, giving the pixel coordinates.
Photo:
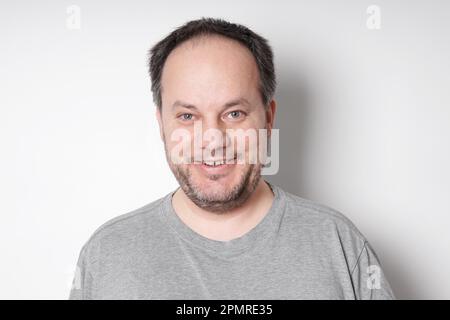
(218, 162)
(215, 163)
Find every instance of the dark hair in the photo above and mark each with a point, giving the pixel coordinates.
(258, 46)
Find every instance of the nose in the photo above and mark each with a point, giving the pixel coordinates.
(212, 137)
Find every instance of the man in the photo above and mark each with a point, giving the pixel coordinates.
(225, 233)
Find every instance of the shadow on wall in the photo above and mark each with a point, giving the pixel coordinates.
(295, 107)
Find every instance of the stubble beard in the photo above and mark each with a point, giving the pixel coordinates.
(221, 202)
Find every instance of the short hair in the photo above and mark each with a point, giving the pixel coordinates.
(258, 46)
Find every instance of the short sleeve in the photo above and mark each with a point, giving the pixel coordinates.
(82, 279)
(368, 278)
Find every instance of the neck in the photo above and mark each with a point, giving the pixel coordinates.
(228, 225)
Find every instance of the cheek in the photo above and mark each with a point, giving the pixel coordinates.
(178, 138)
(259, 115)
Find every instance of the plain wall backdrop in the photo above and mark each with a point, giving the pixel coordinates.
(364, 119)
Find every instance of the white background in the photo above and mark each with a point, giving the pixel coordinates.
(364, 121)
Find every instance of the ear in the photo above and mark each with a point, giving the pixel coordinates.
(270, 115)
(160, 124)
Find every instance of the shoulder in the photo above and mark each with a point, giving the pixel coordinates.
(129, 219)
(122, 230)
(323, 229)
(318, 217)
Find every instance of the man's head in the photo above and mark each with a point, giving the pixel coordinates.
(221, 75)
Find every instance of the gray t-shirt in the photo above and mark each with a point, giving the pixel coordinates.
(299, 250)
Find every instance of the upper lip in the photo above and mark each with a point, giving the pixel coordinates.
(216, 160)
(210, 160)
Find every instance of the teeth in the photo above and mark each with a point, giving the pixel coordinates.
(214, 163)
(217, 162)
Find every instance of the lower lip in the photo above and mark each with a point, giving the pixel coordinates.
(220, 169)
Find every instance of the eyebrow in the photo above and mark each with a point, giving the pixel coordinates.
(229, 104)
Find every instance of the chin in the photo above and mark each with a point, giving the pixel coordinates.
(215, 184)
(215, 190)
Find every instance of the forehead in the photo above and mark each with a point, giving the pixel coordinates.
(209, 68)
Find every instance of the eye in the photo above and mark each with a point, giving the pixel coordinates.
(186, 116)
(235, 115)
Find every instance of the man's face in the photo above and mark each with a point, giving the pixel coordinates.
(213, 82)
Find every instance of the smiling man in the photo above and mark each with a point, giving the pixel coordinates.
(225, 233)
